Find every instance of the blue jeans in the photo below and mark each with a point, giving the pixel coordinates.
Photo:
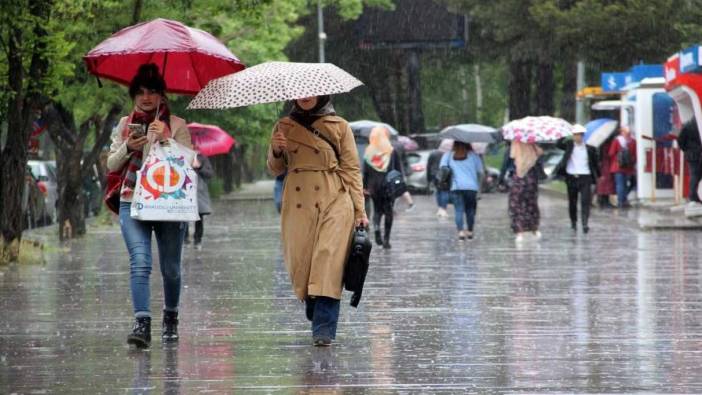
(442, 199)
(325, 317)
(169, 238)
(466, 203)
(621, 182)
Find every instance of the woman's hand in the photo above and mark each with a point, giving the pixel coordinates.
(362, 221)
(135, 143)
(156, 129)
(279, 142)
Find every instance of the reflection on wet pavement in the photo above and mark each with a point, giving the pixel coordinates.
(617, 310)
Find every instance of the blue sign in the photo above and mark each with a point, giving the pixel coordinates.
(690, 59)
(641, 71)
(613, 82)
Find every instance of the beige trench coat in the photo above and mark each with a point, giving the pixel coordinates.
(321, 200)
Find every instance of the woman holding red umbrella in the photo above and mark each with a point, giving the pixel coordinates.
(149, 123)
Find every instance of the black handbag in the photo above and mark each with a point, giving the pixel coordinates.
(395, 184)
(443, 178)
(357, 264)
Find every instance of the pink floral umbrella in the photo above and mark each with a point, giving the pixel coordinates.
(210, 140)
(537, 129)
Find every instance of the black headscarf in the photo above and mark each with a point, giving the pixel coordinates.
(323, 108)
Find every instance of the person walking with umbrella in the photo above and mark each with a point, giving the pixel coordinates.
(524, 190)
(129, 146)
(433, 165)
(322, 202)
(466, 173)
(204, 170)
(380, 158)
(579, 168)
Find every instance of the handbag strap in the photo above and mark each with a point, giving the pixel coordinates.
(317, 133)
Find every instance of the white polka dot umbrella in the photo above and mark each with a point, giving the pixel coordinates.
(537, 129)
(273, 82)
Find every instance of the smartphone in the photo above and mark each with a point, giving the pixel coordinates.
(136, 129)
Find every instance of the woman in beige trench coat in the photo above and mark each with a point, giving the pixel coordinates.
(322, 202)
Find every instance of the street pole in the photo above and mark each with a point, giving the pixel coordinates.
(320, 30)
(579, 104)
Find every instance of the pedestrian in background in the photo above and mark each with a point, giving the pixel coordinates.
(402, 155)
(433, 164)
(322, 202)
(205, 172)
(147, 90)
(622, 157)
(524, 190)
(579, 168)
(466, 173)
(689, 143)
(379, 158)
(605, 182)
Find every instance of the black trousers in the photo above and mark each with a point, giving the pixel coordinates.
(695, 170)
(382, 207)
(579, 185)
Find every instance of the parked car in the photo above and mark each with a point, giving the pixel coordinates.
(551, 158)
(417, 179)
(47, 181)
(33, 205)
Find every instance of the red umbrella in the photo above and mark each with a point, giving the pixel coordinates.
(210, 140)
(188, 58)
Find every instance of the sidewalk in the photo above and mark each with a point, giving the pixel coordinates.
(259, 190)
(662, 214)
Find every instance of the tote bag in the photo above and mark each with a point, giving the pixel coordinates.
(166, 185)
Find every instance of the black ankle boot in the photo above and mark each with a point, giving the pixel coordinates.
(386, 241)
(378, 238)
(169, 329)
(141, 333)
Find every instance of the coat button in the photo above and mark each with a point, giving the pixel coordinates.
(316, 205)
(316, 187)
(298, 189)
(299, 205)
(316, 151)
(297, 170)
(294, 152)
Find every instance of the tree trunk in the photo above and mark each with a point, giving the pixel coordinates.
(228, 172)
(544, 89)
(414, 83)
(26, 88)
(519, 89)
(570, 83)
(478, 93)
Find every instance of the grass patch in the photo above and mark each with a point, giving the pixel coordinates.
(216, 187)
(30, 252)
(494, 159)
(557, 185)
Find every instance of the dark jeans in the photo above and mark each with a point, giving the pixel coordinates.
(325, 316)
(442, 199)
(622, 182)
(695, 173)
(579, 185)
(465, 203)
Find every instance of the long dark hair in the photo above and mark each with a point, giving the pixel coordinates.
(461, 146)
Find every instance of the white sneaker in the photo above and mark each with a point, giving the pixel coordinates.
(537, 235)
(519, 238)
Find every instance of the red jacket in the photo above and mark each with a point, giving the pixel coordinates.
(614, 150)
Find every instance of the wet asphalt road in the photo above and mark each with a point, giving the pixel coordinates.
(618, 310)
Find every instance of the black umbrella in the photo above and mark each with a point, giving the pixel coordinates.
(471, 133)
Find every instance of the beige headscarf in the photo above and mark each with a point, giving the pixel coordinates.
(379, 150)
(525, 156)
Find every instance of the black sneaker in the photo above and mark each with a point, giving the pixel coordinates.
(141, 333)
(169, 328)
(586, 229)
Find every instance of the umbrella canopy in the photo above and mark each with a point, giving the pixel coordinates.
(363, 127)
(598, 130)
(470, 133)
(273, 82)
(210, 140)
(188, 58)
(408, 143)
(537, 129)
